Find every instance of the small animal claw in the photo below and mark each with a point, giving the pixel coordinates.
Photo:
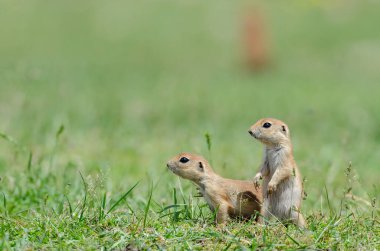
(271, 188)
(256, 180)
(256, 183)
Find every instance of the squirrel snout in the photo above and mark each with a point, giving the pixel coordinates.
(253, 134)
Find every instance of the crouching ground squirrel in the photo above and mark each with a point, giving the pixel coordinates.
(228, 198)
(282, 184)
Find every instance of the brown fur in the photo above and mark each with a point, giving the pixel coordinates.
(282, 185)
(255, 41)
(228, 198)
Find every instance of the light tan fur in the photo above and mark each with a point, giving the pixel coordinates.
(282, 184)
(228, 198)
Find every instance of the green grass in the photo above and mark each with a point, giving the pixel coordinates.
(96, 96)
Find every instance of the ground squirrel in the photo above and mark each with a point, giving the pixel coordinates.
(228, 198)
(255, 41)
(282, 185)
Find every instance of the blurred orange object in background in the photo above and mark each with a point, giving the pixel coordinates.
(255, 41)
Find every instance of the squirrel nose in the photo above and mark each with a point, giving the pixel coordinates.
(250, 132)
(167, 164)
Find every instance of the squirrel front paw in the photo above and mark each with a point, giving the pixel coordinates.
(256, 180)
(272, 188)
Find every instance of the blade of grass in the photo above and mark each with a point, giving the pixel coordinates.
(57, 134)
(60, 131)
(228, 246)
(175, 215)
(208, 142)
(85, 197)
(102, 206)
(328, 201)
(325, 229)
(147, 206)
(121, 198)
(8, 138)
(171, 206)
(70, 207)
(292, 239)
(29, 165)
(5, 204)
(185, 203)
(130, 209)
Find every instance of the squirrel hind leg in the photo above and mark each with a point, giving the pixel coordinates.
(299, 220)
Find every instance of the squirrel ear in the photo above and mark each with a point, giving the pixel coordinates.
(285, 130)
(201, 166)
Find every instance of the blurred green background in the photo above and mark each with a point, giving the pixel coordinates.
(136, 82)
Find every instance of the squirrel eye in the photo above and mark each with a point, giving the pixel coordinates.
(183, 160)
(267, 125)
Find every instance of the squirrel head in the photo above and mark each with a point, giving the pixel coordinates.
(271, 132)
(189, 166)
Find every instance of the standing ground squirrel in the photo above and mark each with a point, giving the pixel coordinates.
(282, 185)
(255, 41)
(229, 198)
